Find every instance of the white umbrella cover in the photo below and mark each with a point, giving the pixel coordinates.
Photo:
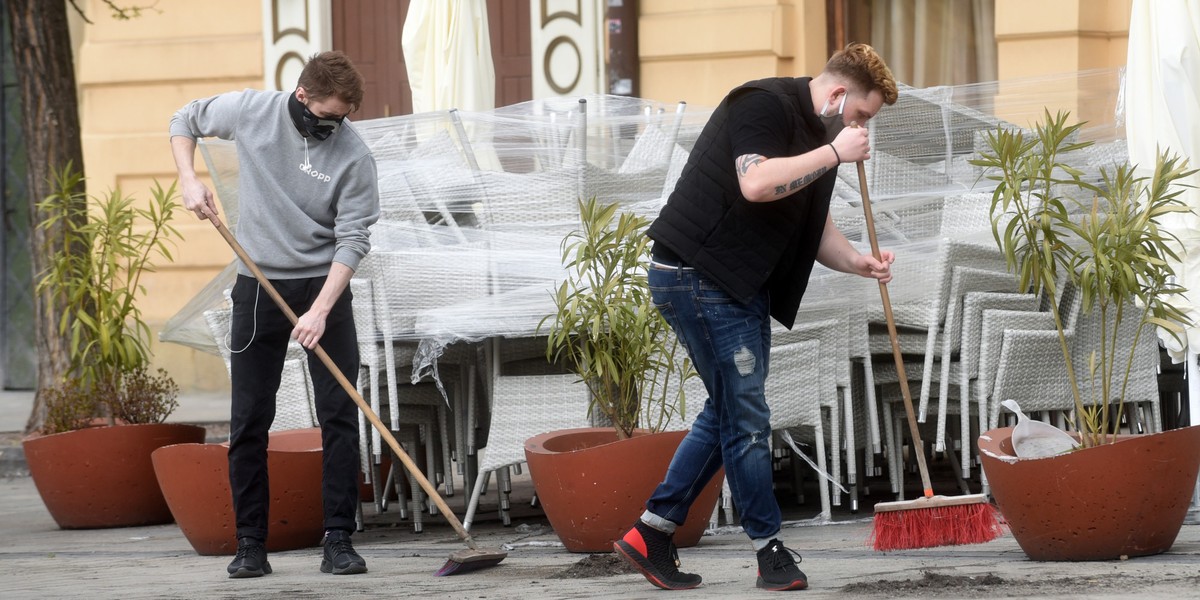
(448, 54)
(1162, 99)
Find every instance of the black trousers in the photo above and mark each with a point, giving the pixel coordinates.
(259, 334)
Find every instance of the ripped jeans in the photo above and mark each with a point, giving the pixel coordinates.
(729, 344)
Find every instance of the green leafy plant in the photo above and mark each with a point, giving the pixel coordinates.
(108, 340)
(606, 327)
(1110, 246)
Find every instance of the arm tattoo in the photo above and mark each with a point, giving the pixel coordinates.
(745, 161)
(800, 183)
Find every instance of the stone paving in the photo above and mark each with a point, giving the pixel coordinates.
(39, 560)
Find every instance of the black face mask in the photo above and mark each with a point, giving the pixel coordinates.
(309, 124)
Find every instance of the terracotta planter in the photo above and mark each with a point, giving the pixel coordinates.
(1117, 500)
(102, 476)
(593, 487)
(195, 481)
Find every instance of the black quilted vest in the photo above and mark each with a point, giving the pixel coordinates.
(742, 245)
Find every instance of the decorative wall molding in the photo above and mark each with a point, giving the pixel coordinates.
(293, 30)
(568, 47)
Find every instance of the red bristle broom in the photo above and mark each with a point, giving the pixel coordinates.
(473, 557)
(931, 520)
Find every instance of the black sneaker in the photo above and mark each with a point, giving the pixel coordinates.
(340, 557)
(777, 569)
(652, 553)
(250, 561)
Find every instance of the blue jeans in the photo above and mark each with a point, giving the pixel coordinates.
(729, 344)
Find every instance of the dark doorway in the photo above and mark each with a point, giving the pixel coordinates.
(512, 50)
(369, 32)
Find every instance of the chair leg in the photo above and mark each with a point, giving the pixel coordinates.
(958, 474)
(823, 487)
(397, 484)
(727, 501)
(418, 504)
(798, 479)
(503, 492)
(849, 437)
(894, 454)
(445, 435)
(835, 456)
(473, 503)
(359, 523)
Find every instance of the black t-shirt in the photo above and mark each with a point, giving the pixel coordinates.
(758, 125)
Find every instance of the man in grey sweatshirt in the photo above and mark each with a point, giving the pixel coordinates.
(307, 195)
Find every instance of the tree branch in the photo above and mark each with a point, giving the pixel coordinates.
(120, 13)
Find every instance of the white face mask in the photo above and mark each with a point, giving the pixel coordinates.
(834, 124)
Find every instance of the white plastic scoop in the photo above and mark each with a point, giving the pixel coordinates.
(1035, 439)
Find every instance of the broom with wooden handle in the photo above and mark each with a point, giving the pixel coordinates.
(471, 559)
(931, 520)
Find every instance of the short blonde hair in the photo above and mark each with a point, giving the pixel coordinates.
(864, 69)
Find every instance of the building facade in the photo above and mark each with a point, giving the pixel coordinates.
(134, 74)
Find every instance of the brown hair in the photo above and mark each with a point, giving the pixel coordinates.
(864, 69)
(332, 74)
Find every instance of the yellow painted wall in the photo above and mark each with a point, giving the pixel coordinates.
(132, 76)
(1048, 37)
(697, 50)
(1041, 37)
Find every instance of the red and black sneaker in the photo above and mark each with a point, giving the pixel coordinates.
(777, 570)
(653, 554)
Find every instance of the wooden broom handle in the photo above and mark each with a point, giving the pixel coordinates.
(341, 377)
(918, 446)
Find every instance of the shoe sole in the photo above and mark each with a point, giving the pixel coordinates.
(639, 562)
(244, 573)
(354, 569)
(799, 584)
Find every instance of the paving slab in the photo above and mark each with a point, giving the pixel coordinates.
(38, 560)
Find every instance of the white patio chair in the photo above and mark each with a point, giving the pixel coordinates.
(834, 393)
(799, 379)
(419, 406)
(1031, 370)
(295, 406)
(524, 406)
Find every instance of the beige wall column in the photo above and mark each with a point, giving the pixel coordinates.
(133, 75)
(1050, 37)
(697, 50)
(1041, 37)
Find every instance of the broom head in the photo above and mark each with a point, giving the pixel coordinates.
(472, 559)
(934, 521)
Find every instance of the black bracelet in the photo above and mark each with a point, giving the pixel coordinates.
(835, 153)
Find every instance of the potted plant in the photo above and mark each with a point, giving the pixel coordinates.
(607, 331)
(194, 479)
(90, 460)
(1109, 247)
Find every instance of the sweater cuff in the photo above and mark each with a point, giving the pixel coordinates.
(347, 257)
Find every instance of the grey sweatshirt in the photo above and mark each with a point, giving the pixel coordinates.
(303, 203)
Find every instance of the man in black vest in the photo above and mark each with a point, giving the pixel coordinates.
(733, 247)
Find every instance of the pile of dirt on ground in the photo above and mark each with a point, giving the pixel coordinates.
(595, 565)
(929, 583)
(988, 585)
